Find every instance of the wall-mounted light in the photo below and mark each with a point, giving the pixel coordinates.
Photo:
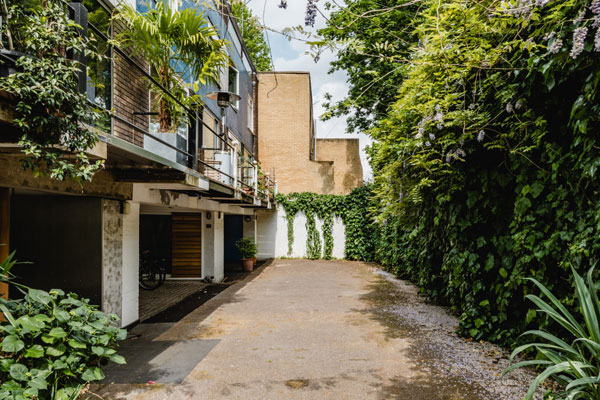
(247, 218)
(219, 215)
(208, 215)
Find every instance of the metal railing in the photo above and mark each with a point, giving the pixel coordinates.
(197, 156)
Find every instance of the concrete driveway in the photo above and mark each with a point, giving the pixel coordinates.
(312, 330)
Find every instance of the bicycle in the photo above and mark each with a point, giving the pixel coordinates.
(152, 272)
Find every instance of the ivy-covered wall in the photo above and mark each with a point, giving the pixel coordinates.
(325, 226)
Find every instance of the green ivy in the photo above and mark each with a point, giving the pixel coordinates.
(353, 209)
(50, 111)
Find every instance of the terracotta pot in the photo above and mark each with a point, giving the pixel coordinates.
(247, 264)
(254, 261)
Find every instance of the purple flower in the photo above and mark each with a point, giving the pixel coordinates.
(481, 136)
(283, 4)
(578, 41)
(556, 46)
(595, 7)
(311, 13)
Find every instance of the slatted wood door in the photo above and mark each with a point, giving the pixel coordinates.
(186, 245)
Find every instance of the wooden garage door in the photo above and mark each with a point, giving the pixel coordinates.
(187, 245)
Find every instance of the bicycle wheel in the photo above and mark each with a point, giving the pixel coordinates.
(149, 279)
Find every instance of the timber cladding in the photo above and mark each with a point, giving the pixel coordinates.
(186, 245)
(130, 95)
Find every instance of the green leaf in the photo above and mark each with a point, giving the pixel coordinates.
(38, 383)
(18, 372)
(92, 374)
(12, 344)
(56, 351)
(31, 323)
(40, 296)
(35, 351)
(530, 315)
(58, 333)
(76, 344)
(503, 273)
(117, 359)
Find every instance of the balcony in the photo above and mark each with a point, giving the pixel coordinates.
(194, 157)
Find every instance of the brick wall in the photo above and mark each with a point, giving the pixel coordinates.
(285, 133)
(345, 154)
(130, 94)
(286, 138)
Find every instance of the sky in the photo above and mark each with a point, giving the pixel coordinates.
(290, 56)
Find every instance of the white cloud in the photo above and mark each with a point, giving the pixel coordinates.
(290, 56)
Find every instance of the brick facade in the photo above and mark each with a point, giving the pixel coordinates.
(345, 154)
(286, 139)
(130, 94)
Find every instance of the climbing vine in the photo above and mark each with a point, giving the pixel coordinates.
(353, 209)
(50, 111)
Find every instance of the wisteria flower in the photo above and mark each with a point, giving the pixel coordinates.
(578, 41)
(481, 136)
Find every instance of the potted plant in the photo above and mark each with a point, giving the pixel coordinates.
(247, 249)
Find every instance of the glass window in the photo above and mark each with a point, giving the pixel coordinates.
(98, 85)
(250, 114)
(233, 84)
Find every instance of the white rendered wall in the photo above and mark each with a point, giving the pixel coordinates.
(266, 234)
(131, 261)
(213, 236)
(273, 240)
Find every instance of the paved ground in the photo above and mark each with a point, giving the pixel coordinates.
(171, 292)
(328, 330)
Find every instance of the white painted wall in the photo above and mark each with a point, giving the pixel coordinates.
(266, 234)
(131, 261)
(213, 237)
(272, 237)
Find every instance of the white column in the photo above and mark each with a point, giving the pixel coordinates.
(213, 262)
(131, 264)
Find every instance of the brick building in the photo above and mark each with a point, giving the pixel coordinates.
(287, 142)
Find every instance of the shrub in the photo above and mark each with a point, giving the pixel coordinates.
(247, 247)
(52, 343)
(574, 364)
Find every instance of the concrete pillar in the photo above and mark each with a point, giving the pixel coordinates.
(131, 264)
(120, 259)
(4, 232)
(112, 257)
(213, 257)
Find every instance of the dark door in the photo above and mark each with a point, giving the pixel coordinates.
(233, 232)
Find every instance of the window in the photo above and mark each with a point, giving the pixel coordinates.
(233, 84)
(250, 114)
(98, 79)
(217, 133)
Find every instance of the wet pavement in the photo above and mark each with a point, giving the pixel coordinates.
(301, 329)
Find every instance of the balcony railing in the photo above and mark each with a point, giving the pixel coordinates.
(200, 147)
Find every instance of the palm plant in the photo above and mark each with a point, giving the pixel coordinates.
(175, 43)
(573, 362)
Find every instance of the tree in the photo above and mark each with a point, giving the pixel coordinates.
(372, 38)
(169, 39)
(253, 35)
